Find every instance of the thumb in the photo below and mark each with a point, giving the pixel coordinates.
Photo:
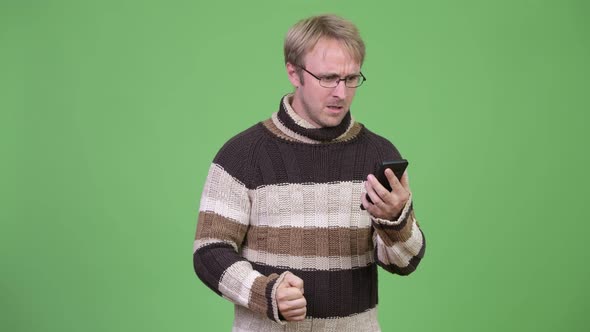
(294, 281)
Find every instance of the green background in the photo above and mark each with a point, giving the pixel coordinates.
(111, 112)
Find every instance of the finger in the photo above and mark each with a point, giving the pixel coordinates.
(375, 208)
(299, 318)
(364, 201)
(289, 306)
(371, 187)
(295, 318)
(297, 314)
(294, 281)
(289, 294)
(393, 181)
(378, 187)
(284, 283)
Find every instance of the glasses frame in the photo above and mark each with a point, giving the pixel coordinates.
(337, 82)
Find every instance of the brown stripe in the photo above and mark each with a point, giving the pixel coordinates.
(351, 133)
(270, 125)
(258, 301)
(391, 236)
(212, 225)
(296, 241)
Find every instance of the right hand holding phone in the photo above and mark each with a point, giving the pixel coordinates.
(386, 205)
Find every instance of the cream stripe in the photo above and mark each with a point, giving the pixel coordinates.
(207, 241)
(291, 112)
(308, 262)
(401, 253)
(309, 205)
(291, 133)
(236, 282)
(248, 321)
(225, 195)
(302, 122)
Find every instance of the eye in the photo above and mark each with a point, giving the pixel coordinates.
(331, 78)
(353, 79)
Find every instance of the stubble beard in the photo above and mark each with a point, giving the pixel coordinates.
(323, 119)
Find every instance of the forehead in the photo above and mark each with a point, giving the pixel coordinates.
(329, 55)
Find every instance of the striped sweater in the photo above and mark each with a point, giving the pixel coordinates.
(284, 196)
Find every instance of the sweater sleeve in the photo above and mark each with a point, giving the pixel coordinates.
(222, 225)
(399, 244)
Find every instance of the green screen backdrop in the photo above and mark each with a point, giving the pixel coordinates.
(112, 111)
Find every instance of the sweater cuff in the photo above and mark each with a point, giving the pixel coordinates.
(400, 220)
(273, 312)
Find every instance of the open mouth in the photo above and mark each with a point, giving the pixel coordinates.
(335, 108)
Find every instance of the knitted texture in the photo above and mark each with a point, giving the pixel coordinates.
(283, 196)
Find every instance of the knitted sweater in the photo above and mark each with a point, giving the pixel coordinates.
(284, 196)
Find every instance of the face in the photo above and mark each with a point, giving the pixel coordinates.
(323, 107)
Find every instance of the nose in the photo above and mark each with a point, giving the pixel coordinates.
(340, 90)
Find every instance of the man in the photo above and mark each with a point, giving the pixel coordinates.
(280, 232)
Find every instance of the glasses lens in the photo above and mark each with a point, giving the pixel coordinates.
(354, 81)
(332, 81)
(329, 82)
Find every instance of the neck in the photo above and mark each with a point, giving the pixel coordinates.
(296, 105)
(292, 121)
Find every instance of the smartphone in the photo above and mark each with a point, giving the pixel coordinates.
(397, 166)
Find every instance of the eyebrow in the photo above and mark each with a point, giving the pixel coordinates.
(336, 75)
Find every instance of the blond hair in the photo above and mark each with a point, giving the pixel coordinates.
(304, 35)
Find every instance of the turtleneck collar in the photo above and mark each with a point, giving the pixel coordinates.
(299, 126)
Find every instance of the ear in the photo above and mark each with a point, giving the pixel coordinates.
(293, 75)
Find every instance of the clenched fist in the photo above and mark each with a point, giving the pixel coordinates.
(290, 300)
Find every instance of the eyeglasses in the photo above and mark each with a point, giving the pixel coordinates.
(332, 81)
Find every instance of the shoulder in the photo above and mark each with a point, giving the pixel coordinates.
(239, 154)
(241, 143)
(381, 145)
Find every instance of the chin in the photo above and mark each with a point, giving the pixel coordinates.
(331, 122)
